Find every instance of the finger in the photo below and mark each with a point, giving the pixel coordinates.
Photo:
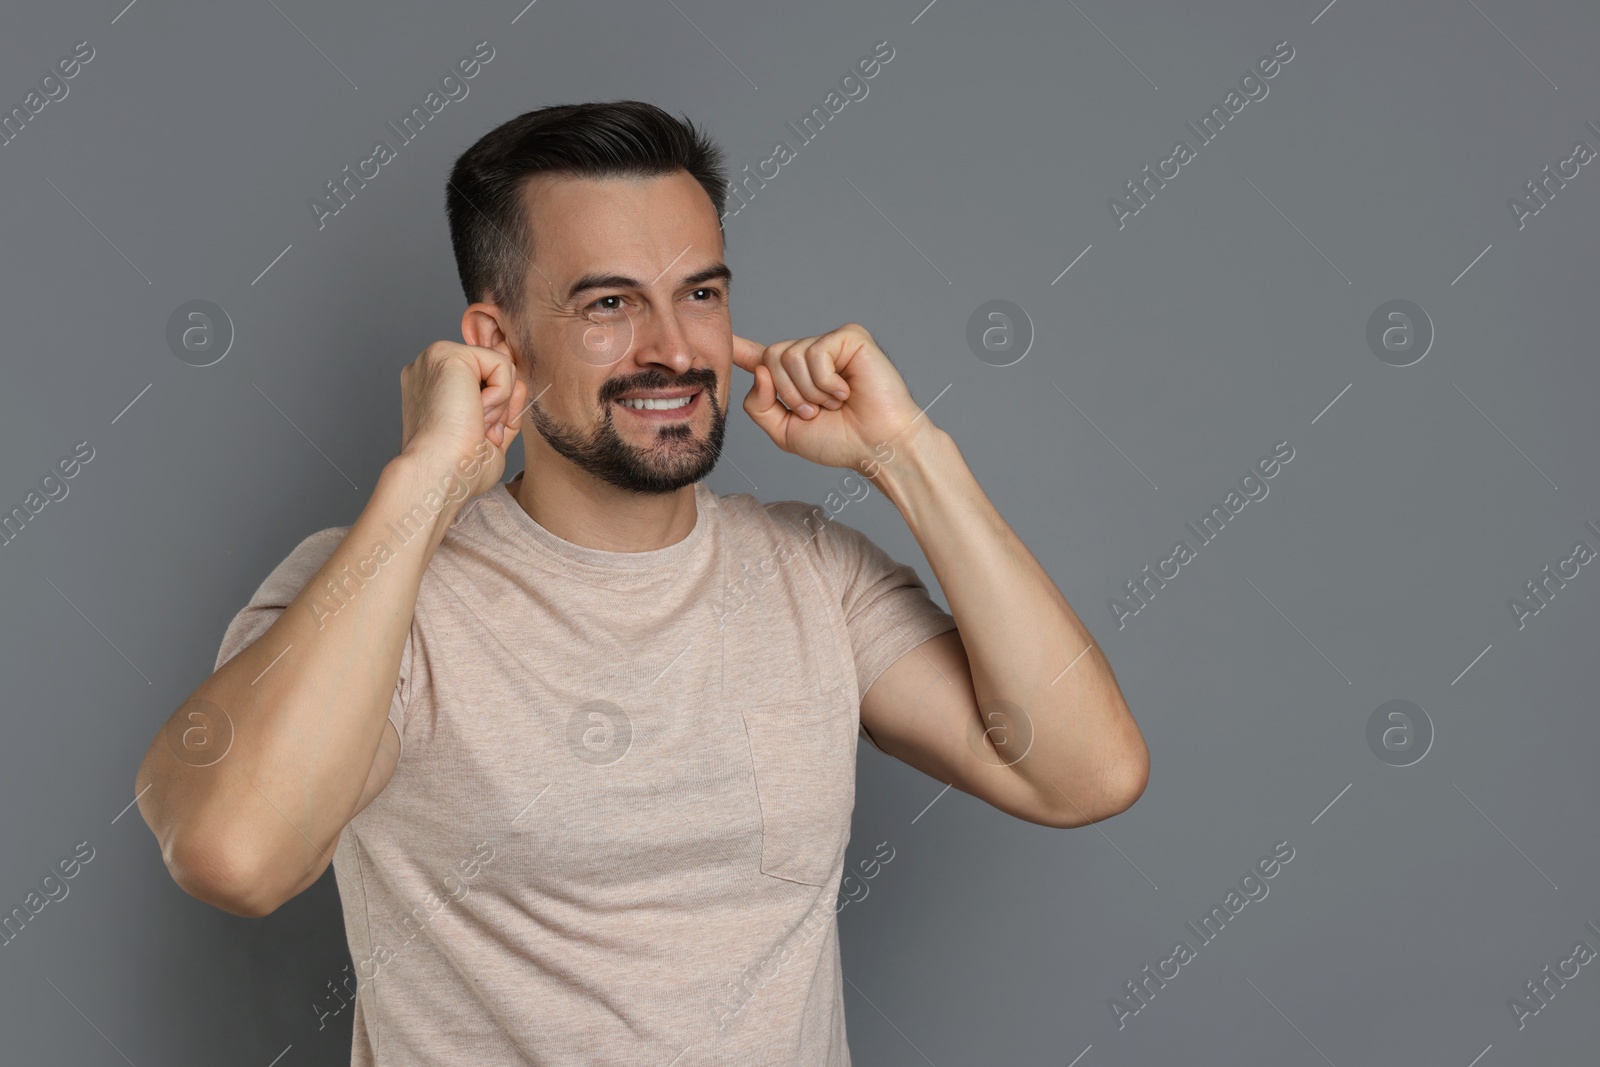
(496, 411)
(495, 369)
(812, 369)
(821, 361)
(785, 390)
(783, 379)
(509, 419)
(797, 364)
(495, 416)
(761, 404)
(746, 353)
(519, 403)
(511, 430)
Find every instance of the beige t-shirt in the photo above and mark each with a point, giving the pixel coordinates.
(617, 827)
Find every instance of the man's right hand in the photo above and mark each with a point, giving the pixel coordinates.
(454, 397)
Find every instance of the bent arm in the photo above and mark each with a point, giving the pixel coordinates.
(1025, 672)
(307, 704)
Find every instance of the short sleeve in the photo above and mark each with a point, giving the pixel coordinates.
(887, 610)
(278, 591)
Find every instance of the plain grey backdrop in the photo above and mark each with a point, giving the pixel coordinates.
(1228, 314)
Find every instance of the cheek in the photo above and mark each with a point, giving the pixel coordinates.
(710, 341)
(724, 390)
(569, 387)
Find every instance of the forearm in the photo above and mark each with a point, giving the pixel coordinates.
(306, 704)
(1025, 644)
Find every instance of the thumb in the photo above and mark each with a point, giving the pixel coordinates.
(761, 404)
(513, 420)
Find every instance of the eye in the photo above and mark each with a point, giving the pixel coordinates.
(713, 294)
(602, 300)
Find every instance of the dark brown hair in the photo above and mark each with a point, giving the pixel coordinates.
(489, 227)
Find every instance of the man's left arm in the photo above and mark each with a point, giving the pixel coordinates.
(1018, 707)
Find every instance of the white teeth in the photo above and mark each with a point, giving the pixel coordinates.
(657, 405)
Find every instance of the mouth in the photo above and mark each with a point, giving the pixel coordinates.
(663, 405)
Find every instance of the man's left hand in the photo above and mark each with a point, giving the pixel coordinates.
(841, 398)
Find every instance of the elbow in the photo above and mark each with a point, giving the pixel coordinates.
(228, 879)
(1124, 786)
(1114, 793)
(1129, 786)
(1124, 782)
(202, 852)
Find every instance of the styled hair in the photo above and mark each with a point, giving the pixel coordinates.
(489, 226)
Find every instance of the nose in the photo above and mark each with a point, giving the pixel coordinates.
(661, 339)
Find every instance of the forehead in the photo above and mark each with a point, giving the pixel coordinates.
(625, 221)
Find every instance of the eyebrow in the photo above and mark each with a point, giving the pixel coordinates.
(622, 281)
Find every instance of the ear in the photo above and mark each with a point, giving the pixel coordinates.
(487, 326)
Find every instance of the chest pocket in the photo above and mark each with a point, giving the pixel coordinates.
(804, 755)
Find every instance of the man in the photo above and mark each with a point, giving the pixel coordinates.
(580, 747)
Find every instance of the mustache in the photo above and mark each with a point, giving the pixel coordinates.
(700, 377)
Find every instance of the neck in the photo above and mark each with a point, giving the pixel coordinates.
(591, 513)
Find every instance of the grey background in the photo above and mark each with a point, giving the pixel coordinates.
(1195, 338)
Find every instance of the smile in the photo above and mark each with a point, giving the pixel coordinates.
(658, 409)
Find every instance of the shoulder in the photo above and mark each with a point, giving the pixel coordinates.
(304, 560)
(791, 529)
(278, 590)
(796, 525)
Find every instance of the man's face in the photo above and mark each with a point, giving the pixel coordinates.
(627, 297)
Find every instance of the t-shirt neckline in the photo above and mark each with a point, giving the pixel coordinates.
(525, 526)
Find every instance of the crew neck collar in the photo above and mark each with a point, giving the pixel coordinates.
(507, 514)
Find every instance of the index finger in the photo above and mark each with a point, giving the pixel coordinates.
(747, 353)
(495, 370)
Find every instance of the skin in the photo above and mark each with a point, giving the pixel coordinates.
(1018, 707)
(619, 483)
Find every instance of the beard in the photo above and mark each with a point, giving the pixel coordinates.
(674, 457)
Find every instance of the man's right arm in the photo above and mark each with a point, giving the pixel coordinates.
(308, 700)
